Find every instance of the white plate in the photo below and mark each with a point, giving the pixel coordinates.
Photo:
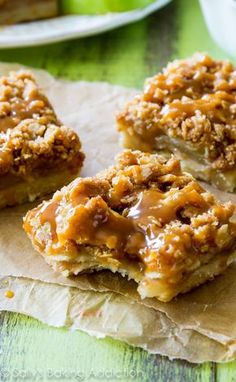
(69, 27)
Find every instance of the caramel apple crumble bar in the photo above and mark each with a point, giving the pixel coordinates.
(38, 154)
(15, 11)
(188, 109)
(144, 218)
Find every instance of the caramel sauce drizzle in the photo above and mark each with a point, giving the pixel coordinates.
(139, 232)
(21, 110)
(153, 211)
(211, 106)
(48, 215)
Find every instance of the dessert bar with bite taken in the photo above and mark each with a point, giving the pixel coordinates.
(143, 218)
(38, 154)
(188, 109)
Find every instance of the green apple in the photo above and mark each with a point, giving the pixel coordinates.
(91, 7)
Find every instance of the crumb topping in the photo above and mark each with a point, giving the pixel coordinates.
(31, 136)
(193, 100)
(144, 209)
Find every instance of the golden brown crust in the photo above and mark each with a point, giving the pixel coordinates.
(142, 217)
(192, 100)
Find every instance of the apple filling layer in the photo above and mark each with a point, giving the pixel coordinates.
(188, 109)
(144, 218)
(34, 145)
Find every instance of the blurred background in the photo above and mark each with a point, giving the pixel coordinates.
(123, 55)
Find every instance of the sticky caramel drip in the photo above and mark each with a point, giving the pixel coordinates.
(140, 232)
(48, 215)
(95, 223)
(156, 206)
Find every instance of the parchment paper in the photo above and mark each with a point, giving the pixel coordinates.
(199, 326)
(109, 314)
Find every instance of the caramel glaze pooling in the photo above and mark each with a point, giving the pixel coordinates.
(193, 100)
(144, 209)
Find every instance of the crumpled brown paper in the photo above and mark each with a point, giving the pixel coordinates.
(96, 314)
(199, 326)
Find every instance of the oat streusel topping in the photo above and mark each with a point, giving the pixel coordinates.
(193, 100)
(31, 136)
(144, 210)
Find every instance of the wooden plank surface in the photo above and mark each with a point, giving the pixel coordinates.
(32, 351)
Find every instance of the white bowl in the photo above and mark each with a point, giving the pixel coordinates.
(220, 16)
(69, 27)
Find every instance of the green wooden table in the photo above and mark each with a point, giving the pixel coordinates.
(32, 351)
